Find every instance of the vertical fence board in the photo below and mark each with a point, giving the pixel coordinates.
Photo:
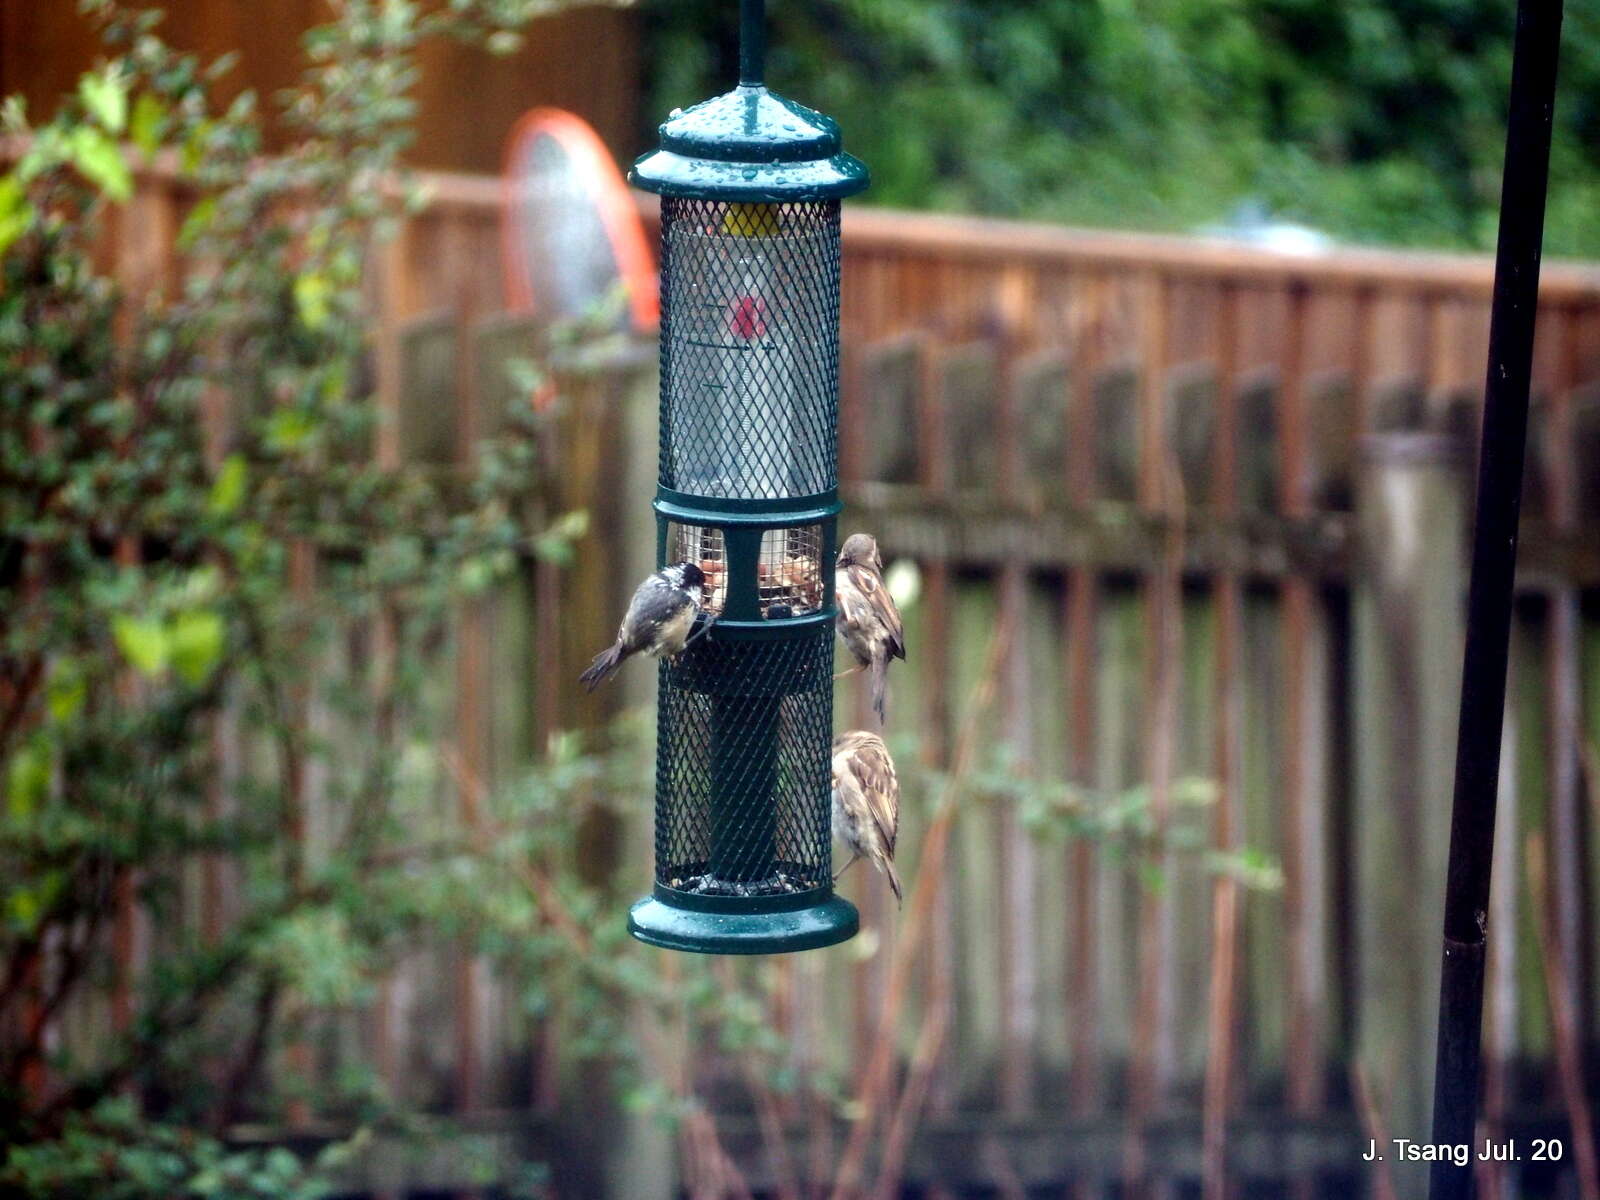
(384, 1028)
(1120, 713)
(1527, 699)
(1500, 986)
(1190, 882)
(1222, 1020)
(1263, 1009)
(470, 724)
(1407, 665)
(1568, 825)
(1081, 623)
(1589, 748)
(1016, 867)
(1303, 838)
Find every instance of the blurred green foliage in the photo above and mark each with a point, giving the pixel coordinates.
(212, 594)
(112, 1153)
(1373, 120)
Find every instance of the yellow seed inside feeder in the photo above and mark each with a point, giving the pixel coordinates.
(751, 220)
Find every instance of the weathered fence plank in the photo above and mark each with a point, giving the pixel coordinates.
(1408, 629)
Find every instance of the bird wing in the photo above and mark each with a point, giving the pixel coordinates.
(655, 602)
(869, 771)
(867, 604)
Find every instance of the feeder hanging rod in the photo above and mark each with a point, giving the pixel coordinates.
(752, 42)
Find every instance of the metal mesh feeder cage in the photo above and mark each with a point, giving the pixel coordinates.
(750, 185)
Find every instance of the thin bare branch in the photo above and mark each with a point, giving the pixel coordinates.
(877, 1077)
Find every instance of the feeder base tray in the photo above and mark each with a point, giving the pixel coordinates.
(720, 931)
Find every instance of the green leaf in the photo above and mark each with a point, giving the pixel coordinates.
(16, 214)
(474, 575)
(48, 149)
(27, 779)
(289, 428)
(334, 383)
(194, 146)
(200, 216)
(1153, 877)
(100, 160)
(209, 1182)
(227, 491)
(65, 693)
(22, 907)
(106, 97)
(149, 119)
(222, 64)
(26, 904)
(143, 643)
(312, 293)
(195, 641)
(570, 525)
(555, 542)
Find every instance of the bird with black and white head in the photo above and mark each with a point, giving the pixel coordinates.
(658, 621)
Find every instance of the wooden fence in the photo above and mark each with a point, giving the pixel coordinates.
(1226, 494)
(1220, 499)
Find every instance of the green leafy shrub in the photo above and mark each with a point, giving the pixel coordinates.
(170, 575)
(112, 1153)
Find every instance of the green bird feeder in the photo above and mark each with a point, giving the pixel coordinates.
(750, 185)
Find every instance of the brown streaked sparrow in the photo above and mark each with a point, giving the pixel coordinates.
(868, 620)
(866, 802)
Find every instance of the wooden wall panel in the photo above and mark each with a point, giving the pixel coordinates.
(585, 60)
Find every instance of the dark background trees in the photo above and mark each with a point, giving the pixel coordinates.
(1373, 120)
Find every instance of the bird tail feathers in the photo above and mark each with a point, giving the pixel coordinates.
(894, 879)
(605, 663)
(880, 685)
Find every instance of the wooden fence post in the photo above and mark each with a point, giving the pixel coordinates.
(1408, 618)
(640, 1157)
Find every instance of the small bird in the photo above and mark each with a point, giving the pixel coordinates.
(658, 621)
(866, 802)
(868, 621)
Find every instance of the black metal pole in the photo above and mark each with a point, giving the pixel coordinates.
(1489, 600)
(752, 41)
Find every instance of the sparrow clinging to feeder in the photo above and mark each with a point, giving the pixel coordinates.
(658, 621)
(866, 802)
(868, 621)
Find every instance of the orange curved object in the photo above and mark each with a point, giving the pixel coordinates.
(605, 188)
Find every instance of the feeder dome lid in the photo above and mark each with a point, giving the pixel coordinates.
(750, 144)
